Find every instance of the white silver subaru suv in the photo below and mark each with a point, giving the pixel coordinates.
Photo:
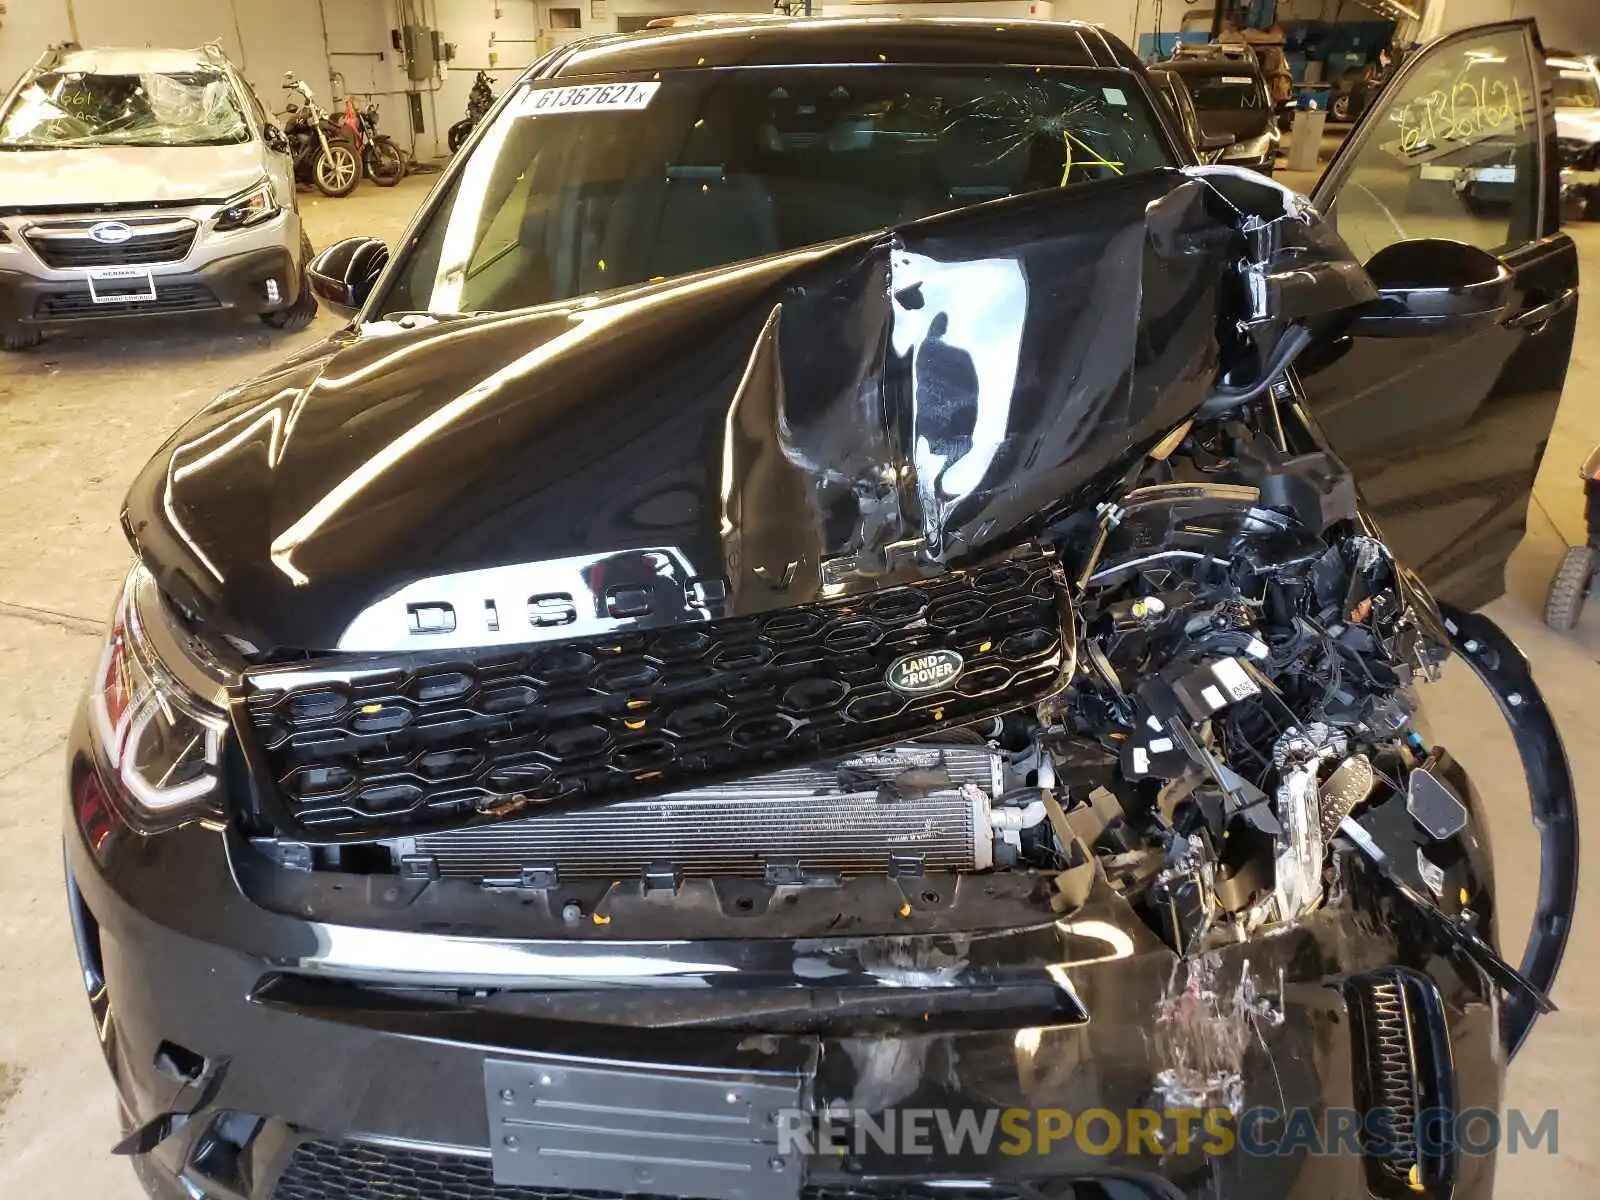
(138, 183)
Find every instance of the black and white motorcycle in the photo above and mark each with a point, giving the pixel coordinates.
(325, 154)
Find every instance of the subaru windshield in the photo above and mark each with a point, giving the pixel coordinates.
(65, 109)
(583, 187)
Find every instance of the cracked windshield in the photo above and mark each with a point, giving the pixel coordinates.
(74, 108)
(584, 187)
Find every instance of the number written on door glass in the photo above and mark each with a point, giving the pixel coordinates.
(1454, 154)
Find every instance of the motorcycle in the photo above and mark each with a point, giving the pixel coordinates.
(479, 101)
(325, 156)
(382, 161)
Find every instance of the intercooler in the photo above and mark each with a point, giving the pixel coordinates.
(850, 816)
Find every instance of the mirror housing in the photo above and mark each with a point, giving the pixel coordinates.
(275, 139)
(1216, 141)
(344, 274)
(1432, 285)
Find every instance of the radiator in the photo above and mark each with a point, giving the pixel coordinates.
(847, 817)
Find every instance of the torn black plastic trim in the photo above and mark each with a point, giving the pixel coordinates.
(1495, 659)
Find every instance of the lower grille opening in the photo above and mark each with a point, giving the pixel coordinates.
(344, 1170)
(170, 298)
(1403, 1072)
(222, 1155)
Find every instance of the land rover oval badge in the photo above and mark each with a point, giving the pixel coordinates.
(924, 672)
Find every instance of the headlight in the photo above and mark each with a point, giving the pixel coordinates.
(248, 208)
(157, 704)
(1254, 148)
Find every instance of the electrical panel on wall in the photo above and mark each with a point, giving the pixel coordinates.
(419, 52)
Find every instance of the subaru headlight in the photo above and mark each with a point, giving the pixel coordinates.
(157, 702)
(248, 208)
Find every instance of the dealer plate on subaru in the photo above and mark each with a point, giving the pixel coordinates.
(111, 285)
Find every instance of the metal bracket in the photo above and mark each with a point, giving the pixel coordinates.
(578, 1125)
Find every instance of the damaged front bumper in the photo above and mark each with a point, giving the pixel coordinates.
(259, 1054)
(1495, 659)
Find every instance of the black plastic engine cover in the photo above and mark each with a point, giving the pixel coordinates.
(364, 746)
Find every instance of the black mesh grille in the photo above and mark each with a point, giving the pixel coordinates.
(1396, 1017)
(1393, 1072)
(140, 249)
(405, 744)
(327, 1170)
(170, 298)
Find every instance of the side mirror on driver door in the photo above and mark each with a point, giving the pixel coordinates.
(1432, 285)
(344, 274)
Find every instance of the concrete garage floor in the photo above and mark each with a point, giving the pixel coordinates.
(79, 416)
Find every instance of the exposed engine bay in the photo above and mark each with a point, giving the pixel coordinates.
(1248, 670)
(1133, 652)
(1242, 700)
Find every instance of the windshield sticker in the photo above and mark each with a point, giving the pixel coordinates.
(1240, 79)
(1114, 96)
(588, 98)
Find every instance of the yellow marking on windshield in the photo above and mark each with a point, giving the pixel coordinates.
(1095, 159)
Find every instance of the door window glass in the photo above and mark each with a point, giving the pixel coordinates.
(1451, 151)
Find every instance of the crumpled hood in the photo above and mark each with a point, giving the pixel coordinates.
(126, 174)
(821, 423)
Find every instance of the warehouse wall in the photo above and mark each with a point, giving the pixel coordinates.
(1569, 24)
(1118, 16)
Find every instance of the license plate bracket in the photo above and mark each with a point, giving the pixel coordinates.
(582, 1124)
(111, 285)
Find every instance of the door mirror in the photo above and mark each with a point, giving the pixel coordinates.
(344, 274)
(1216, 141)
(1432, 286)
(274, 139)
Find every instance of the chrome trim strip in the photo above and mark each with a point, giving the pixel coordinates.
(79, 232)
(390, 956)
